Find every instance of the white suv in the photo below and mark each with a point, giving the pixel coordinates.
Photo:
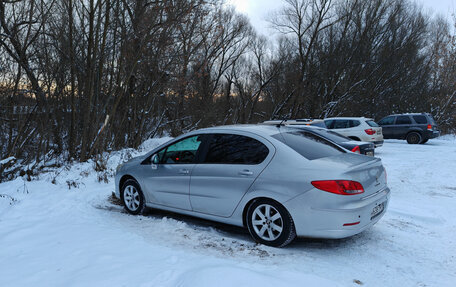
(360, 129)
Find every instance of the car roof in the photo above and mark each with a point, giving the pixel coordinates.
(349, 118)
(296, 126)
(291, 122)
(410, 114)
(262, 130)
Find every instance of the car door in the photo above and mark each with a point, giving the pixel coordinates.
(231, 165)
(401, 127)
(168, 182)
(342, 127)
(387, 125)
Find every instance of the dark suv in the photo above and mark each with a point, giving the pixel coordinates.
(415, 128)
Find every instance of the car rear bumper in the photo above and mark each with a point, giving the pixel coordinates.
(378, 143)
(432, 134)
(320, 222)
(370, 152)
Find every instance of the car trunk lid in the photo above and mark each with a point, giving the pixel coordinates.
(368, 171)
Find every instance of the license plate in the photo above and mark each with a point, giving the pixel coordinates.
(377, 210)
(371, 153)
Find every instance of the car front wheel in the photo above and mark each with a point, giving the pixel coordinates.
(270, 223)
(132, 197)
(413, 138)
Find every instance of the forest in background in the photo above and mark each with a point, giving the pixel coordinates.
(80, 77)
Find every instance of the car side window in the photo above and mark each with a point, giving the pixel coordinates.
(354, 123)
(329, 124)
(386, 121)
(235, 149)
(341, 124)
(403, 120)
(420, 119)
(319, 124)
(181, 152)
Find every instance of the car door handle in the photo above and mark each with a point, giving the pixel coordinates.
(184, 171)
(246, 172)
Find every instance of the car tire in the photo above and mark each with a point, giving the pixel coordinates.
(269, 223)
(424, 141)
(132, 197)
(355, 139)
(413, 138)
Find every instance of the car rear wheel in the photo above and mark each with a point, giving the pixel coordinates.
(132, 197)
(413, 138)
(270, 223)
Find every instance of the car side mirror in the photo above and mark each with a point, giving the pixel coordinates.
(155, 161)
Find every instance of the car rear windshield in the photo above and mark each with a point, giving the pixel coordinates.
(332, 136)
(372, 123)
(309, 145)
(431, 119)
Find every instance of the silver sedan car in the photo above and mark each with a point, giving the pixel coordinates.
(278, 182)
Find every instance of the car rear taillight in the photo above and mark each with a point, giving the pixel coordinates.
(370, 131)
(344, 187)
(429, 127)
(356, 149)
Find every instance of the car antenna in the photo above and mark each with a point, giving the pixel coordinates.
(281, 123)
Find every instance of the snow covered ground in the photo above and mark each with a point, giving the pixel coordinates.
(62, 230)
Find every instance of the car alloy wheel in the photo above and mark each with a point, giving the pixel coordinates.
(270, 223)
(413, 138)
(132, 197)
(267, 222)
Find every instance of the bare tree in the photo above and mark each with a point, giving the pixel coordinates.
(78, 78)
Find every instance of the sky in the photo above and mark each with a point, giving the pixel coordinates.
(258, 10)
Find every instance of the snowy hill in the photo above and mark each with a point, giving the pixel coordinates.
(62, 229)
